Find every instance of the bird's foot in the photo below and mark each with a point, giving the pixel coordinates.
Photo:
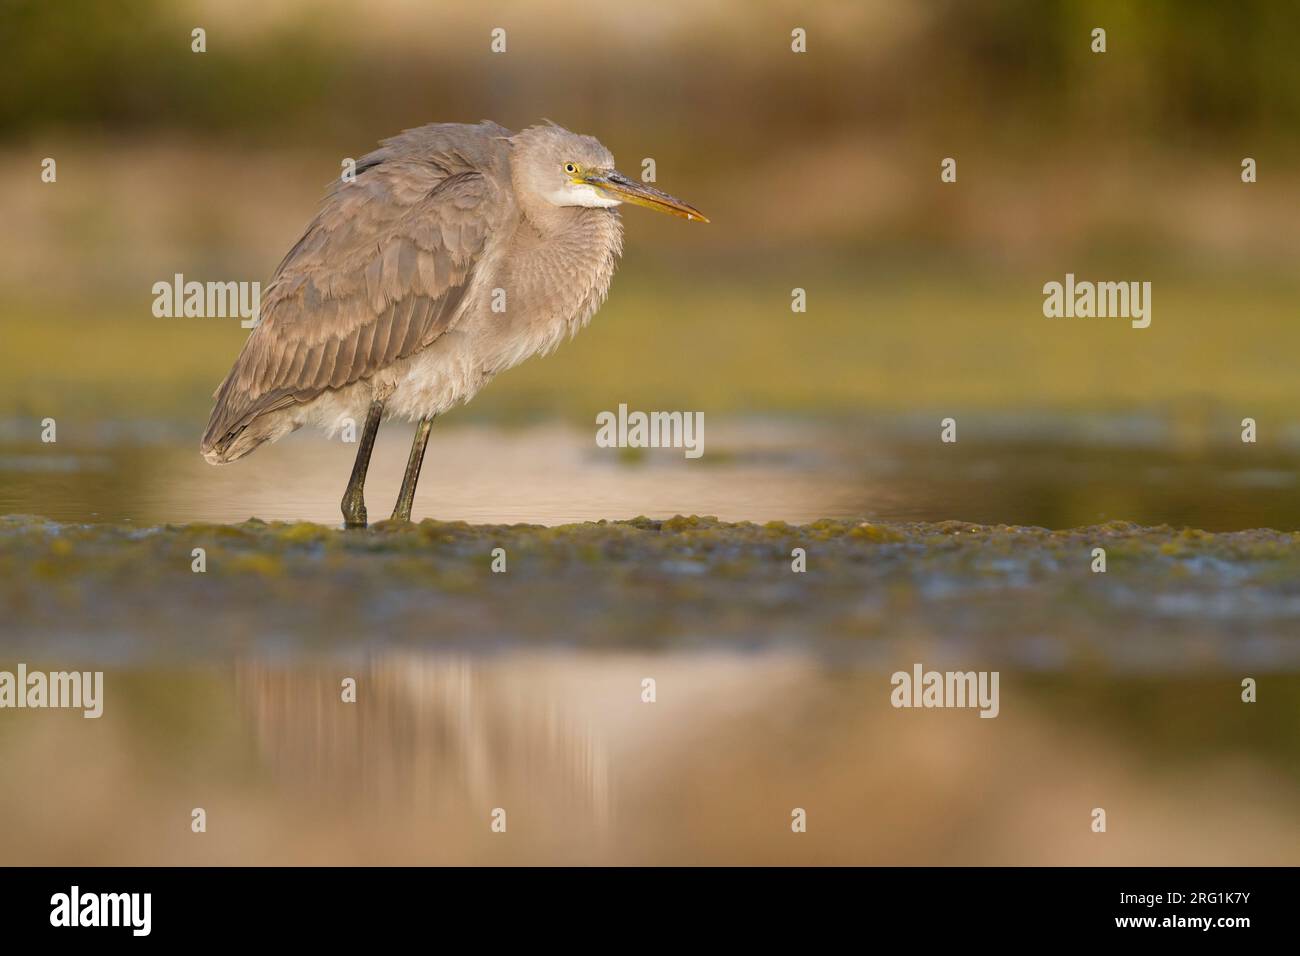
(354, 511)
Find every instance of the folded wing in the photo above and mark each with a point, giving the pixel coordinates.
(381, 272)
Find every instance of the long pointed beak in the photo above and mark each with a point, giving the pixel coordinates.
(620, 187)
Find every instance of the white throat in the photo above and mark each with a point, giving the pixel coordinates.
(582, 195)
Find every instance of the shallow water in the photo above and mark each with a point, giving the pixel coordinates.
(1055, 474)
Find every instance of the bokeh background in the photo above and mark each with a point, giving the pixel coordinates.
(819, 171)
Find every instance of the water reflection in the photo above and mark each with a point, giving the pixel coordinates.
(421, 730)
(589, 773)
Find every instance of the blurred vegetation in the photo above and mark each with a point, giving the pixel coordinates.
(1175, 68)
(672, 337)
(819, 171)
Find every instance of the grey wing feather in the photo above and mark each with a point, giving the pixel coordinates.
(379, 274)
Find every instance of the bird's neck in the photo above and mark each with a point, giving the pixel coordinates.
(571, 227)
(563, 264)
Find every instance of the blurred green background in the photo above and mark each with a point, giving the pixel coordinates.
(819, 170)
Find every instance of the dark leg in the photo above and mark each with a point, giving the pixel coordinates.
(354, 500)
(406, 497)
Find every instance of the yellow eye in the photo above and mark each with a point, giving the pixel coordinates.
(570, 168)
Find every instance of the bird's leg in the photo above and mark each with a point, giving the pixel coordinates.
(354, 499)
(406, 497)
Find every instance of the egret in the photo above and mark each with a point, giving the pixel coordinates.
(452, 254)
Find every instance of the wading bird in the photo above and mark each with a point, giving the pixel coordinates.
(453, 254)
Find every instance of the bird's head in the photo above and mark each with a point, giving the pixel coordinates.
(566, 169)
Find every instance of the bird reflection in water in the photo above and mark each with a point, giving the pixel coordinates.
(437, 731)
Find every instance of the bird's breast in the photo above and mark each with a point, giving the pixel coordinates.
(527, 297)
(546, 287)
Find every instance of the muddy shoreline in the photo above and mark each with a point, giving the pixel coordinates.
(1169, 600)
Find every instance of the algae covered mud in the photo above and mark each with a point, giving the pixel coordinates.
(1116, 594)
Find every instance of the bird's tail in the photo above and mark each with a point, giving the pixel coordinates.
(235, 429)
(224, 441)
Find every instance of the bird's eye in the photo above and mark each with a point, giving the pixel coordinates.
(570, 168)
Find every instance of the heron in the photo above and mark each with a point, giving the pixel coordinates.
(452, 253)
